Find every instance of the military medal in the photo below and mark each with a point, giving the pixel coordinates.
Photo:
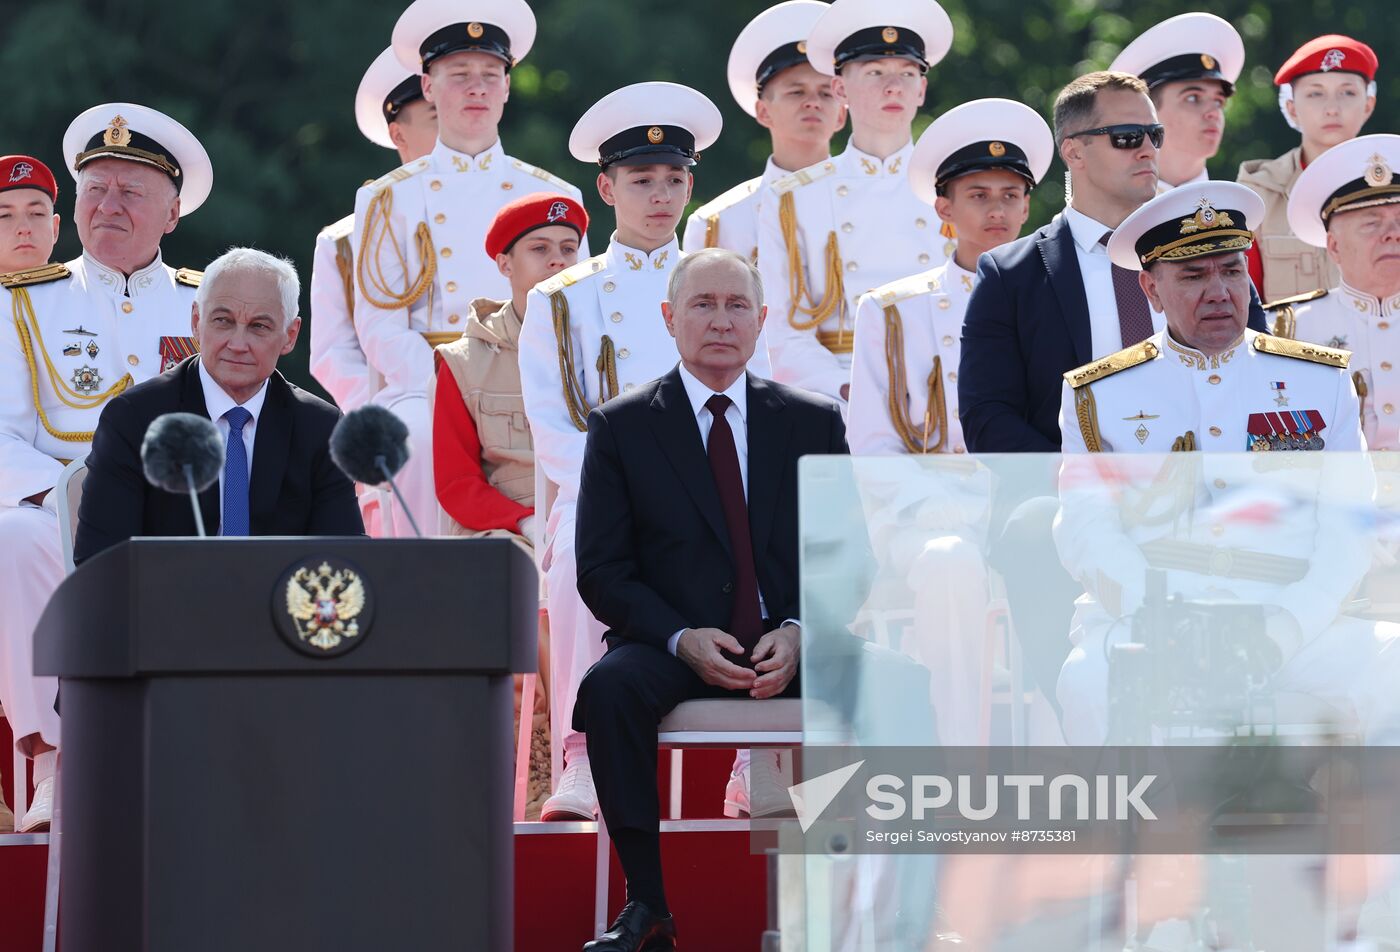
(81, 331)
(1286, 430)
(92, 349)
(86, 380)
(1142, 432)
(72, 350)
(174, 350)
(1281, 398)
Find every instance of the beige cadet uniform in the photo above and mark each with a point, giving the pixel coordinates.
(419, 265)
(827, 234)
(1206, 520)
(1369, 328)
(78, 334)
(1291, 266)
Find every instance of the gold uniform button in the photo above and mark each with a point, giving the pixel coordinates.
(851, 266)
(923, 258)
(1389, 408)
(609, 286)
(1217, 530)
(920, 223)
(623, 354)
(952, 375)
(133, 359)
(435, 185)
(126, 307)
(959, 449)
(843, 191)
(454, 318)
(947, 340)
(616, 317)
(1213, 379)
(847, 227)
(1215, 431)
(1385, 365)
(439, 218)
(507, 186)
(1220, 484)
(828, 166)
(451, 286)
(1384, 325)
(447, 252)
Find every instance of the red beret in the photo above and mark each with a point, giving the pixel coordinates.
(1328, 54)
(526, 214)
(23, 171)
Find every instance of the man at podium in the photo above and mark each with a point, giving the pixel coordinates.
(278, 478)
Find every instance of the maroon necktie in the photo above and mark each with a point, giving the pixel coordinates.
(745, 621)
(1134, 316)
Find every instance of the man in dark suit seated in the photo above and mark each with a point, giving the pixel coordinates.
(278, 477)
(687, 551)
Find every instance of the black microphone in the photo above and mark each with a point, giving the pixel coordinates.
(370, 445)
(182, 452)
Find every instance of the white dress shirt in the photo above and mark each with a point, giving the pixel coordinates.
(218, 403)
(1106, 336)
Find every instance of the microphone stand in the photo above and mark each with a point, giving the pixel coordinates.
(194, 500)
(389, 478)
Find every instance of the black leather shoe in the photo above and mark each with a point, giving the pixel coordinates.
(636, 929)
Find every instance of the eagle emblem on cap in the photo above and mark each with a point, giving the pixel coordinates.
(324, 603)
(21, 171)
(117, 132)
(1377, 172)
(1332, 59)
(889, 34)
(655, 135)
(997, 149)
(557, 212)
(1207, 61)
(1206, 217)
(474, 30)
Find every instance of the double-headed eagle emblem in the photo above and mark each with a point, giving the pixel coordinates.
(324, 603)
(1206, 217)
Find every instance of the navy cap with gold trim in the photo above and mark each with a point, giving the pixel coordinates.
(431, 29)
(384, 90)
(1360, 173)
(854, 30)
(133, 133)
(646, 124)
(1190, 221)
(977, 136)
(1189, 46)
(773, 41)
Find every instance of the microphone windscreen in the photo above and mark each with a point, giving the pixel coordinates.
(176, 440)
(362, 436)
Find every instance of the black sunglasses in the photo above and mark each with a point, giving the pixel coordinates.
(1127, 135)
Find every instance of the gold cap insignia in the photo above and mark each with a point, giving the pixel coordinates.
(889, 34)
(997, 149)
(322, 608)
(474, 30)
(1206, 217)
(1207, 61)
(117, 133)
(655, 135)
(1377, 172)
(802, 47)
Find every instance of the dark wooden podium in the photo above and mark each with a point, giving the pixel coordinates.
(289, 744)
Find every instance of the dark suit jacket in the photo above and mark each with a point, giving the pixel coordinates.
(295, 489)
(652, 548)
(1027, 324)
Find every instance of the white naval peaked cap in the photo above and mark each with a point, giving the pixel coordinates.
(771, 42)
(385, 89)
(851, 30)
(645, 123)
(429, 29)
(980, 135)
(124, 130)
(1359, 173)
(1190, 221)
(1189, 46)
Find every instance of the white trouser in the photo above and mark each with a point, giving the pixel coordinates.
(415, 480)
(1353, 664)
(949, 581)
(31, 567)
(576, 638)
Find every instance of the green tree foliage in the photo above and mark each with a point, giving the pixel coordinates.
(268, 85)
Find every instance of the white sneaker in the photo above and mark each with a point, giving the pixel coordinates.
(574, 798)
(40, 813)
(772, 786)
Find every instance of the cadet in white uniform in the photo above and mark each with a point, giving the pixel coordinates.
(420, 229)
(1190, 64)
(976, 166)
(771, 80)
(1208, 384)
(593, 331)
(830, 232)
(1348, 202)
(84, 332)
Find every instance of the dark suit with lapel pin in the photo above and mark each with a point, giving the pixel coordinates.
(294, 489)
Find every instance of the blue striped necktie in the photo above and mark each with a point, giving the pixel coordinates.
(235, 514)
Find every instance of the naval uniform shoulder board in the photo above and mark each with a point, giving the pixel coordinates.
(1098, 370)
(1296, 299)
(1302, 350)
(802, 177)
(338, 230)
(905, 288)
(400, 174)
(1285, 319)
(43, 274)
(541, 174)
(729, 199)
(586, 268)
(189, 277)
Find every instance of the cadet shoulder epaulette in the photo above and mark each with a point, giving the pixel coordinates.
(1302, 350)
(586, 268)
(541, 174)
(905, 288)
(43, 274)
(394, 176)
(803, 177)
(1296, 299)
(189, 277)
(338, 230)
(1099, 369)
(729, 199)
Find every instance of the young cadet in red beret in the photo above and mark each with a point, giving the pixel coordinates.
(1327, 91)
(28, 224)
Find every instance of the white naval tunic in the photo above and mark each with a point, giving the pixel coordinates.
(454, 197)
(1370, 328)
(337, 361)
(883, 233)
(97, 326)
(731, 220)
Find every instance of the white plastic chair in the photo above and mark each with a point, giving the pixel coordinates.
(69, 493)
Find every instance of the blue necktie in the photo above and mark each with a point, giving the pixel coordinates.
(235, 516)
